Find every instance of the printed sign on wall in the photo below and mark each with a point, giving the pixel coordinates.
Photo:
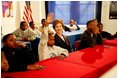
(7, 9)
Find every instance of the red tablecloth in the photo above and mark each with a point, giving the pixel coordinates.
(56, 69)
(110, 42)
(100, 57)
(89, 62)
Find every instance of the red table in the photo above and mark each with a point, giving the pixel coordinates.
(86, 63)
(110, 42)
(100, 57)
(56, 69)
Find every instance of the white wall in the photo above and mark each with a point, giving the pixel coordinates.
(8, 24)
(42, 10)
(110, 25)
(11, 24)
(38, 12)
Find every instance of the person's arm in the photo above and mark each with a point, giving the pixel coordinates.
(97, 36)
(4, 62)
(67, 28)
(27, 58)
(110, 36)
(42, 49)
(62, 53)
(26, 52)
(11, 63)
(78, 28)
(29, 61)
(34, 67)
(20, 44)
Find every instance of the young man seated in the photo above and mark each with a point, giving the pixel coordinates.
(24, 33)
(105, 34)
(91, 36)
(16, 56)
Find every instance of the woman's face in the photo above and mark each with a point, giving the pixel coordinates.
(10, 42)
(59, 28)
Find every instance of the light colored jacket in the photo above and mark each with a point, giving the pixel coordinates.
(27, 33)
(46, 51)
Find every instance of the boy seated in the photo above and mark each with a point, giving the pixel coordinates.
(91, 36)
(105, 34)
(16, 56)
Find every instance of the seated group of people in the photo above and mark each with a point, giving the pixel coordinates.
(16, 56)
(94, 35)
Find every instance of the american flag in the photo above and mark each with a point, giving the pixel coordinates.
(27, 13)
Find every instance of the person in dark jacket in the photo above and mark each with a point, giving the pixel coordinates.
(60, 39)
(90, 37)
(16, 56)
(105, 34)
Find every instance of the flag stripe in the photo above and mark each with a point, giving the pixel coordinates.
(26, 10)
(27, 14)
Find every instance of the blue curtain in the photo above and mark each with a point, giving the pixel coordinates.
(80, 11)
(75, 11)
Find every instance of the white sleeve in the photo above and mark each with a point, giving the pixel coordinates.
(62, 51)
(42, 48)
